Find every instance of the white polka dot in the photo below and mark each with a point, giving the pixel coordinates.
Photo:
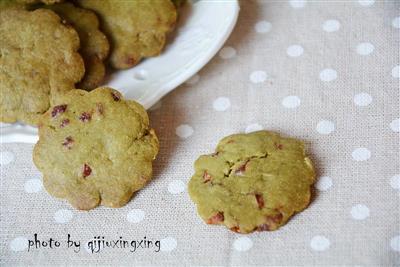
(253, 128)
(168, 244)
(19, 244)
(184, 131)
(258, 76)
(242, 244)
(325, 127)
(395, 181)
(328, 75)
(135, 215)
(395, 125)
(320, 243)
(359, 212)
(366, 2)
(6, 157)
(362, 99)
(263, 26)
(294, 51)
(193, 80)
(365, 49)
(396, 72)
(221, 103)
(324, 183)
(227, 52)
(395, 243)
(331, 25)
(63, 216)
(33, 185)
(176, 187)
(297, 3)
(361, 154)
(396, 22)
(156, 106)
(291, 101)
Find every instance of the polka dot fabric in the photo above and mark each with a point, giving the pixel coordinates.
(326, 72)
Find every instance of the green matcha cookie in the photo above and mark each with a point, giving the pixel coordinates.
(95, 148)
(254, 181)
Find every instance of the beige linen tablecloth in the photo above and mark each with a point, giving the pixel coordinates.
(326, 72)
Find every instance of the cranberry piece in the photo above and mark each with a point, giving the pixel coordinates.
(64, 123)
(86, 170)
(85, 117)
(235, 229)
(279, 146)
(58, 110)
(206, 177)
(263, 227)
(260, 200)
(68, 142)
(239, 171)
(217, 218)
(115, 96)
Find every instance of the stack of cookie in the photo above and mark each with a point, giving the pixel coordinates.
(94, 147)
(49, 48)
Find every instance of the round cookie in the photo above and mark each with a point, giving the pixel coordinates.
(95, 148)
(38, 62)
(94, 44)
(254, 181)
(136, 28)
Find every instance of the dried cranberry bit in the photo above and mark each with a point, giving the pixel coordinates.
(235, 229)
(85, 117)
(86, 170)
(58, 110)
(68, 142)
(206, 177)
(217, 218)
(279, 146)
(64, 123)
(263, 227)
(115, 96)
(260, 201)
(240, 171)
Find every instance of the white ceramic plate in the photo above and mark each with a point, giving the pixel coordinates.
(204, 26)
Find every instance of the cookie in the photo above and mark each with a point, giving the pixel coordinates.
(94, 44)
(95, 148)
(136, 29)
(38, 62)
(254, 181)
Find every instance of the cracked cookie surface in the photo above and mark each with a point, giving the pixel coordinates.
(38, 62)
(136, 28)
(95, 148)
(253, 182)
